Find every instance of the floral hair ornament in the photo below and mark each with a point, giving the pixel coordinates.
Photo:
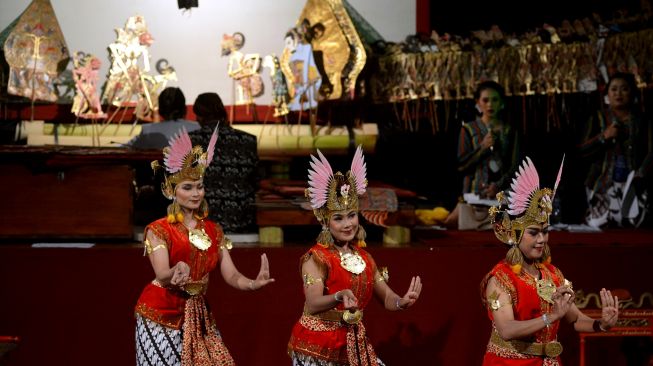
(527, 205)
(183, 161)
(329, 192)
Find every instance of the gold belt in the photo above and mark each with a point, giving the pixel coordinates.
(192, 287)
(350, 317)
(549, 349)
(196, 288)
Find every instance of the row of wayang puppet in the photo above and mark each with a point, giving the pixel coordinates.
(521, 70)
(130, 82)
(37, 56)
(587, 29)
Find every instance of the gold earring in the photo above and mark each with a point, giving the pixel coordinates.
(203, 211)
(361, 235)
(174, 212)
(515, 259)
(325, 239)
(546, 254)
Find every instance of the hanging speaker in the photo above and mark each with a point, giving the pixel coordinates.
(187, 4)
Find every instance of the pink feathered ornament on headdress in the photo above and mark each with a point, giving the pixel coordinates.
(182, 161)
(335, 192)
(529, 205)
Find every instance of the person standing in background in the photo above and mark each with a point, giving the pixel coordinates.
(488, 148)
(618, 147)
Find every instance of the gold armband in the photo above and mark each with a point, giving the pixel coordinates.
(310, 280)
(148, 247)
(226, 243)
(383, 275)
(493, 301)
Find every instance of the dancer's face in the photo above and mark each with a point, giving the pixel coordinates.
(533, 241)
(190, 193)
(344, 225)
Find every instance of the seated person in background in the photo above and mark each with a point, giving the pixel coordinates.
(232, 179)
(172, 109)
(616, 142)
(488, 148)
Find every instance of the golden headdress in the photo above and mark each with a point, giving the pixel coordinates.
(526, 205)
(183, 161)
(329, 192)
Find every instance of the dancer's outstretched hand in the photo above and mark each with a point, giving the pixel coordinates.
(412, 294)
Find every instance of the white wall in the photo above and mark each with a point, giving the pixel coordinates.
(191, 41)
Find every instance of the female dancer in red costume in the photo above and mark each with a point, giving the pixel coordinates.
(526, 296)
(339, 276)
(173, 323)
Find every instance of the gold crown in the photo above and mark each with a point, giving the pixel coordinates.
(509, 230)
(342, 196)
(192, 169)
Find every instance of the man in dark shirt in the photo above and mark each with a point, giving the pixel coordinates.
(231, 179)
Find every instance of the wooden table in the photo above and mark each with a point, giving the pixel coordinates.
(56, 192)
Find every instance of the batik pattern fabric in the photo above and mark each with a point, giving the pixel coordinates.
(526, 305)
(317, 341)
(179, 310)
(156, 344)
(482, 167)
(304, 360)
(231, 180)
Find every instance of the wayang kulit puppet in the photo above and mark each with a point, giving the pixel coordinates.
(243, 69)
(36, 52)
(129, 78)
(86, 103)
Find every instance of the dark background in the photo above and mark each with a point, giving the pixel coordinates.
(460, 17)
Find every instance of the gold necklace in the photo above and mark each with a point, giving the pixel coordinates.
(545, 290)
(352, 262)
(198, 238)
(545, 287)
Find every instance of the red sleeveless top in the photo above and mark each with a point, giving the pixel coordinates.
(331, 344)
(166, 305)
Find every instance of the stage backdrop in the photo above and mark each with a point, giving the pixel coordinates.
(190, 41)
